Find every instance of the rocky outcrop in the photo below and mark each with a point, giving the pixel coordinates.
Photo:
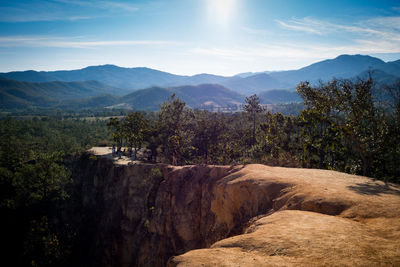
(147, 214)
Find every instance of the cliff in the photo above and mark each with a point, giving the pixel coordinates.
(255, 215)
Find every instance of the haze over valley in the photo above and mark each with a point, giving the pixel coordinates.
(145, 89)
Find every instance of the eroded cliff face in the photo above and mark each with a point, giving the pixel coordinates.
(143, 214)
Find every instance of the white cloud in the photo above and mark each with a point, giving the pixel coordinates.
(62, 10)
(294, 54)
(102, 4)
(299, 26)
(387, 27)
(260, 32)
(72, 42)
(32, 17)
(375, 35)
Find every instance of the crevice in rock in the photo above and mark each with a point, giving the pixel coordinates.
(142, 214)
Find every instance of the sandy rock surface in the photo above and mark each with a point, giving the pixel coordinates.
(317, 217)
(252, 215)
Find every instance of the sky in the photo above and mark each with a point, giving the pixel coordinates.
(187, 37)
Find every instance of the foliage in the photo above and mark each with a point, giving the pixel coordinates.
(344, 125)
(175, 129)
(253, 107)
(34, 185)
(135, 127)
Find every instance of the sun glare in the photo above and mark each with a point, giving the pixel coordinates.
(221, 11)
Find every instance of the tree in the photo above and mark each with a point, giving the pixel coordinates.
(319, 124)
(253, 107)
(135, 126)
(390, 149)
(209, 132)
(347, 108)
(173, 119)
(42, 181)
(153, 139)
(118, 131)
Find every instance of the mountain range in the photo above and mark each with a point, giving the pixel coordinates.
(145, 88)
(78, 95)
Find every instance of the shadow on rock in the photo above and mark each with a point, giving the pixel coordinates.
(375, 189)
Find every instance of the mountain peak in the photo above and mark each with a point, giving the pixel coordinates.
(358, 57)
(105, 66)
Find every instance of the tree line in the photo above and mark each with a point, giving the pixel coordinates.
(345, 125)
(36, 186)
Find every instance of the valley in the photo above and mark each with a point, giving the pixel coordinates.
(110, 86)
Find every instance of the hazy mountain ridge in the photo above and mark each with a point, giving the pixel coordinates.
(21, 94)
(279, 96)
(194, 96)
(103, 86)
(344, 66)
(17, 95)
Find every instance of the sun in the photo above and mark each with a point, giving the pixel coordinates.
(221, 11)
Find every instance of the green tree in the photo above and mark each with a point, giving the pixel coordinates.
(154, 139)
(117, 131)
(174, 120)
(253, 107)
(209, 132)
(391, 151)
(135, 127)
(346, 108)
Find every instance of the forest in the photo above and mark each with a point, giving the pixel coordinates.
(346, 125)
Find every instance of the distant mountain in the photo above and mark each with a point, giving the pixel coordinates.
(128, 79)
(342, 67)
(77, 95)
(207, 94)
(125, 78)
(203, 95)
(380, 77)
(203, 78)
(392, 68)
(248, 74)
(253, 84)
(145, 99)
(279, 97)
(95, 102)
(15, 94)
(69, 87)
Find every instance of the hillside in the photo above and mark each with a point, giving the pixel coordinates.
(252, 215)
(194, 96)
(253, 84)
(344, 66)
(146, 99)
(279, 96)
(126, 78)
(208, 95)
(93, 94)
(15, 94)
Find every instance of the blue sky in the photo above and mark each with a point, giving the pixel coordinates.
(194, 36)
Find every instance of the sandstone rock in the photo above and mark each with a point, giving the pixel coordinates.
(254, 215)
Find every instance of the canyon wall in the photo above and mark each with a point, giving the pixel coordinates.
(144, 214)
